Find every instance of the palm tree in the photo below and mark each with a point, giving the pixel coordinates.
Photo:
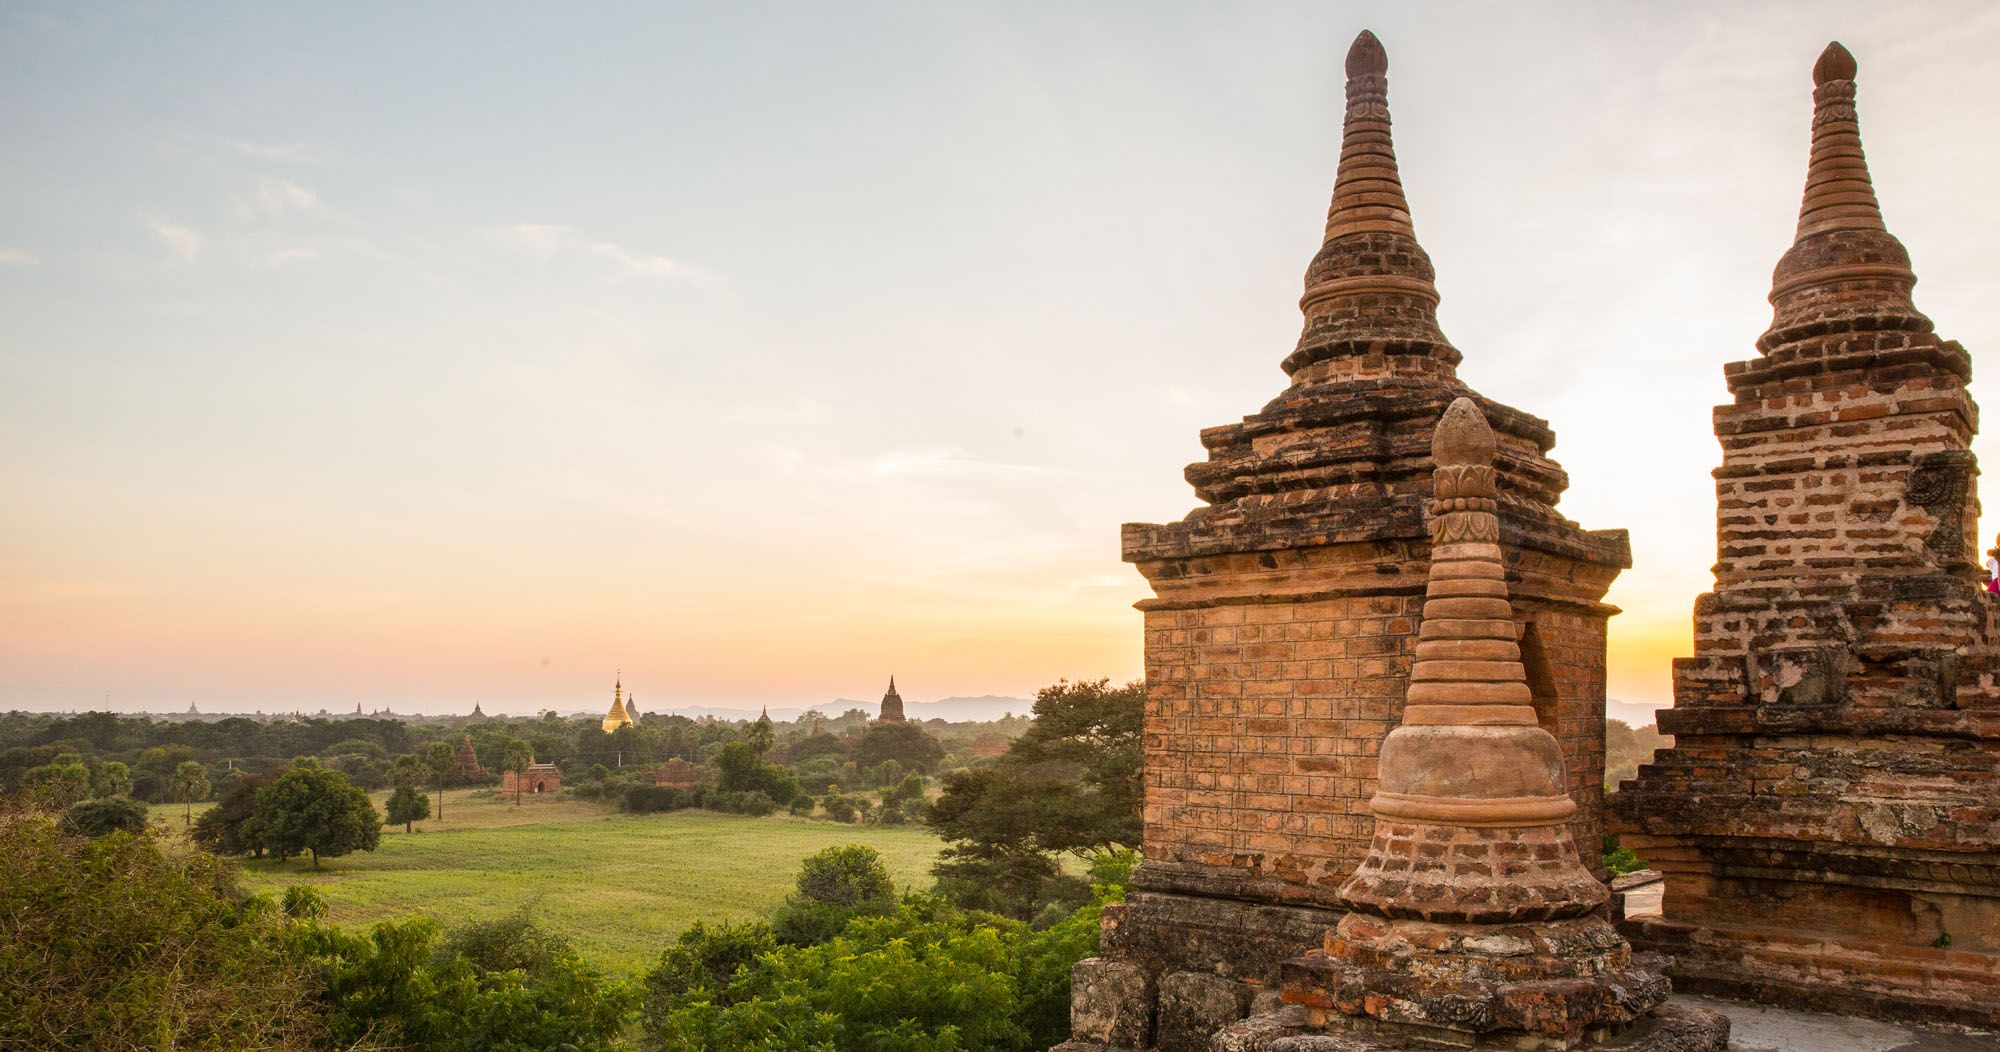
(190, 781)
(442, 760)
(519, 756)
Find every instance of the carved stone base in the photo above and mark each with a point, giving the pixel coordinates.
(1668, 1028)
(1174, 968)
(1815, 973)
(1547, 984)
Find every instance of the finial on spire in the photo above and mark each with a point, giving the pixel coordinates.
(1463, 437)
(1835, 63)
(1367, 56)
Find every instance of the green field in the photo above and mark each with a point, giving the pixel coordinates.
(620, 886)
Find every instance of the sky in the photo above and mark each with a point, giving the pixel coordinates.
(419, 355)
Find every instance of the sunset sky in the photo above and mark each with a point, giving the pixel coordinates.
(418, 358)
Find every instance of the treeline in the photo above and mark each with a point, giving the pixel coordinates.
(819, 753)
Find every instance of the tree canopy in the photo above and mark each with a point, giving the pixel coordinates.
(309, 809)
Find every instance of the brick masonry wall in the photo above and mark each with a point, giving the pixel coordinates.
(1265, 717)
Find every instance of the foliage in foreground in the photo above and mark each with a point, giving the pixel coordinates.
(118, 943)
(112, 943)
(501, 986)
(925, 977)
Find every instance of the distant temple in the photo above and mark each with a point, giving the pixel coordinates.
(617, 717)
(538, 778)
(632, 707)
(468, 760)
(477, 713)
(892, 704)
(676, 773)
(192, 711)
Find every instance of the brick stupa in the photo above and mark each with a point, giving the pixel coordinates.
(1829, 816)
(1279, 641)
(1474, 918)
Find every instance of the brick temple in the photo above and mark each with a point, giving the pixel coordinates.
(1279, 641)
(1829, 817)
(1374, 756)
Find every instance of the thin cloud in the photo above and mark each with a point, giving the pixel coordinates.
(278, 196)
(548, 240)
(18, 257)
(184, 242)
(273, 151)
(290, 255)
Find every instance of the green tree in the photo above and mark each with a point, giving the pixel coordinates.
(190, 784)
(742, 771)
(442, 759)
(316, 810)
(1069, 784)
(113, 778)
(520, 755)
(61, 783)
(408, 806)
(760, 735)
(225, 828)
(906, 743)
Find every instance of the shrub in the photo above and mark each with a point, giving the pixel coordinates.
(803, 806)
(106, 815)
(1618, 859)
(88, 923)
(650, 799)
(503, 986)
(924, 978)
(839, 807)
(755, 803)
(834, 887)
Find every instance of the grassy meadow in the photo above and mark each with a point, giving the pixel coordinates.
(620, 886)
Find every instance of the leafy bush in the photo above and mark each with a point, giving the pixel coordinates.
(88, 923)
(840, 807)
(834, 887)
(754, 802)
(803, 806)
(923, 976)
(651, 799)
(1620, 860)
(106, 815)
(503, 986)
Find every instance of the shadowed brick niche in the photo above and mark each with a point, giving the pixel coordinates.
(1829, 817)
(1286, 611)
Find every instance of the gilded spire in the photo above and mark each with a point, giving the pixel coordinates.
(1369, 291)
(1844, 264)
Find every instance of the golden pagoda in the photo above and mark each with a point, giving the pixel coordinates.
(617, 717)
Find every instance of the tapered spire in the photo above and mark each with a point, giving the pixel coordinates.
(1369, 291)
(1839, 194)
(1844, 266)
(1470, 755)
